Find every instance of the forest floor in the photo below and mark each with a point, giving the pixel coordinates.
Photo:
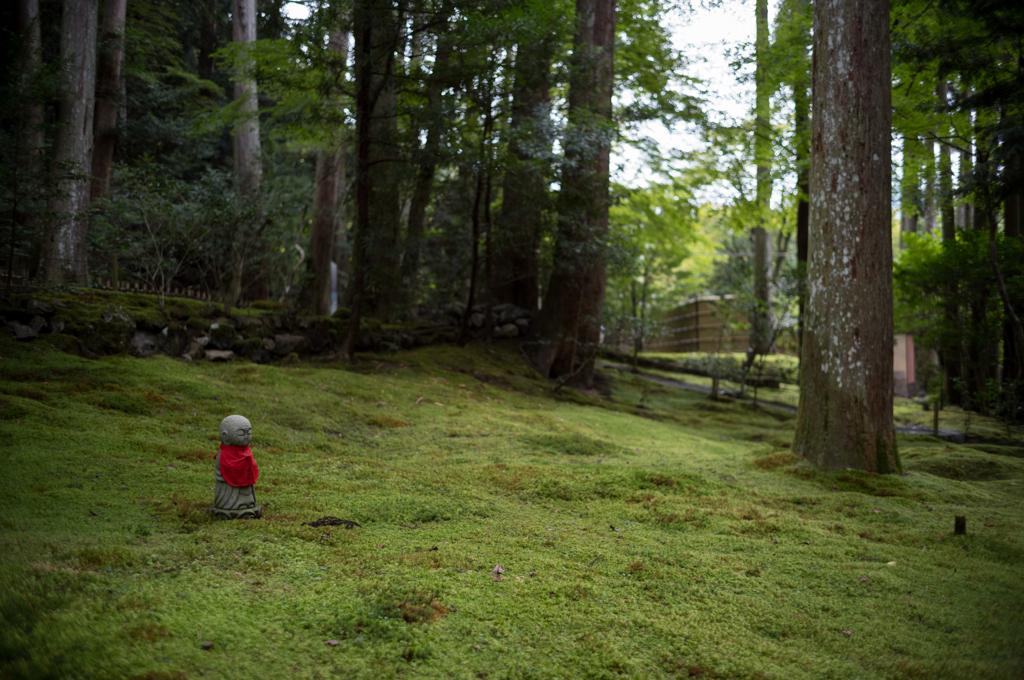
(650, 533)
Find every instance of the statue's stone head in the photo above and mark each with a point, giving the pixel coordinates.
(235, 431)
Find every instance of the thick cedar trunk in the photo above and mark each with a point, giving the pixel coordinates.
(248, 169)
(381, 247)
(426, 168)
(570, 323)
(525, 187)
(246, 142)
(64, 257)
(108, 91)
(362, 31)
(207, 38)
(761, 314)
(846, 395)
(329, 169)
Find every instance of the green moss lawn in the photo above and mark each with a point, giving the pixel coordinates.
(646, 534)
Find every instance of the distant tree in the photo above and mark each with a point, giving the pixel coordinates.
(845, 417)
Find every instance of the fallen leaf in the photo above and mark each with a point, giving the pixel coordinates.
(890, 564)
(332, 643)
(924, 549)
(207, 645)
(497, 569)
(94, 514)
(862, 579)
(380, 545)
(773, 539)
(877, 511)
(476, 646)
(848, 633)
(171, 467)
(418, 401)
(437, 403)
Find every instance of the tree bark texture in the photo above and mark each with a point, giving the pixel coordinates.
(329, 170)
(802, 117)
(761, 314)
(108, 92)
(248, 168)
(31, 35)
(846, 396)
(64, 255)
(381, 246)
(525, 188)
(570, 323)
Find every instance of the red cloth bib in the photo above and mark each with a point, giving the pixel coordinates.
(237, 466)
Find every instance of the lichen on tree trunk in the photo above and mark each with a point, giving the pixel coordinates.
(845, 418)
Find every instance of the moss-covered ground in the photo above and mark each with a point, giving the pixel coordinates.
(646, 534)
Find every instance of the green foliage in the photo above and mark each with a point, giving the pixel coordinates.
(946, 296)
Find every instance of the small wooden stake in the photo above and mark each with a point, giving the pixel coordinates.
(960, 526)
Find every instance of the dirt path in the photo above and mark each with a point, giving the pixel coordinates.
(954, 436)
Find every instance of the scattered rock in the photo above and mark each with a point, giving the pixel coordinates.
(21, 331)
(37, 323)
(476, 320)
(143, 345)
(207, 645)
(286, 343)
(220, 355)
(268, 344)
(36, 307)
(509, 330)
(56, 326)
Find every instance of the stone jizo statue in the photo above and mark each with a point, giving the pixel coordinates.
(235, 472)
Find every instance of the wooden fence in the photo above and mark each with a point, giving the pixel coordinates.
(704, 324)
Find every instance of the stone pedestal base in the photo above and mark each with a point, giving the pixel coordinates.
(236, 513)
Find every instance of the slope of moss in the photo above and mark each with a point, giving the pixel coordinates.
(647, 534)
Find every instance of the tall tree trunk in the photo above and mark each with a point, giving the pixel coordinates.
(31, 36)
(761, 314)
(369, 83)
(951, 363)
(474, 260)
(382, 256)
(802, 114)
(108, 90)
(846, 393)
(910, 187)
(246, 143)
(426, 167)
(64, 255)
(329, 168)
(207, 38)
(525, 185)
(248, 168)
(570, 323)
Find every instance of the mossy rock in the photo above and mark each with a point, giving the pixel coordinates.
(65, 343)
(342, 313)
(223, 336)
(151, 319)
(197, 323)
(269, 305)
(179, 311)
(250, 348)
